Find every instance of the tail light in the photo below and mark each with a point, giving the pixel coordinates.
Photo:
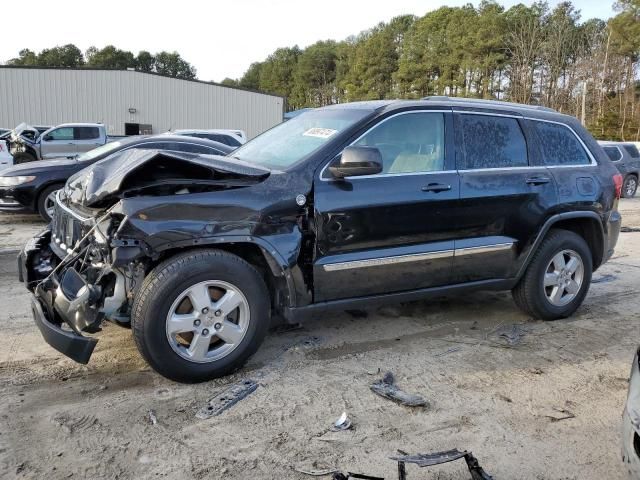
(617, 181)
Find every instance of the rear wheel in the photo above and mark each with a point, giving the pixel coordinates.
(23, 157)
(47, 202)
(629, 186)
(200, 315)
(558, 277)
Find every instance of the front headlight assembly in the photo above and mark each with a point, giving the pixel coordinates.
(14, 181)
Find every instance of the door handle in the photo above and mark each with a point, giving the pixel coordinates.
(436, 187)
(537, 180)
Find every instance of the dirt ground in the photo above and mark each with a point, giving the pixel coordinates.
(507, 404)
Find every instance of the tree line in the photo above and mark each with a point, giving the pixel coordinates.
(70, 56)
(527, 54)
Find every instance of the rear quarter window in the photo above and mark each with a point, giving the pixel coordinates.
(632, 150)
(559, 145)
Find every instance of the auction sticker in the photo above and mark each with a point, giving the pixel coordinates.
(319, 132)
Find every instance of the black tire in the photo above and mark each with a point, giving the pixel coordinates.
(23, 157)
(42, 201)
(162, 287)
(630, 186)
(530, 294)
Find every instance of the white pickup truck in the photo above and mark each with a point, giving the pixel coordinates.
(69, 140)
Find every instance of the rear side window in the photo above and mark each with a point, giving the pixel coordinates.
(632, 150)
(85, 133)
(491, 142)
(613, 153)
(559, 145)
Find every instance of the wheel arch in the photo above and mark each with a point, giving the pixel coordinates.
(587, 224)
(42, 188)
(257, 252)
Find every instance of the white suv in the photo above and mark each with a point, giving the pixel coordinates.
(233, 138)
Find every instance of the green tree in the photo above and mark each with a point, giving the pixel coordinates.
(64, 56)
(251, 78)
(173, 65)
(25, 57)
(145, 61)
(110, 57)
(276, 72)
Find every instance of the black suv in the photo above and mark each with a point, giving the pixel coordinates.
(342, 207)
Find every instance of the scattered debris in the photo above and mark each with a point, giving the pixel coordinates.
(430, 459)
(504, 398)
(316, 472)
(513, 334)
(342, 423)
(375, 372)
(227, 399)
(567, 415)
(387, 389)
(604, 278)
(629, 229)
(342, 476)
(451, 350)
(151, 415)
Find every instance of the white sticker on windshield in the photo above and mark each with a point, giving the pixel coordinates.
(319, 132)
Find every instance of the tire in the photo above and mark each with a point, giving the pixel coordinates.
(43, 205)
(630, 186)
(532, 296)
(162, 290)
(23, 157)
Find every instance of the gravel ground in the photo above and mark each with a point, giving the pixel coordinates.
(506, 403)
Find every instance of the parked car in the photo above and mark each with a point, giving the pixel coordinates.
(233, 138)
(626, 158)
(347, 206)
(31, 187)
(66, 140)
(631, 422)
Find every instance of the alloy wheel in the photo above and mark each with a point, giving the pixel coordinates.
(207, 321)
(563, 278)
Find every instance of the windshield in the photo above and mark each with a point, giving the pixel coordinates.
(101, 150)
(291, 141)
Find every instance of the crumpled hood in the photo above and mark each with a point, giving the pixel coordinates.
(140, 170)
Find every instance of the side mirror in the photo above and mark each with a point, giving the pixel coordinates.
(356, 161)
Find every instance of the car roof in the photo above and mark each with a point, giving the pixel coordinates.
(534, 111)
(79, 124)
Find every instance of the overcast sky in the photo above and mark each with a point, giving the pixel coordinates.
(220, 38)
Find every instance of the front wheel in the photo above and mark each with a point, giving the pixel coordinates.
(200, 315)
(557, 279)
(47, 202)
(629, 186)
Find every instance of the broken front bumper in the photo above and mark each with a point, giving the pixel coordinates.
(55, 302)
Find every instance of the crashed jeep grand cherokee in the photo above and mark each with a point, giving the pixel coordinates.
(343, 207)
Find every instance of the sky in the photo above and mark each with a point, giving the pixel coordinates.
(220, 38)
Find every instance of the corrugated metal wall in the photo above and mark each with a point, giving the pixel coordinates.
(54, 96)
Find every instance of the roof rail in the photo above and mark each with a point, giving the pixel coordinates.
(486, 102)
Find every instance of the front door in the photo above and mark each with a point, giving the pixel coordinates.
(389, 232)
(57, 142)
(505, 196)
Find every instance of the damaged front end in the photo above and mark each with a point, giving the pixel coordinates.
(88, 264)
(70, 271)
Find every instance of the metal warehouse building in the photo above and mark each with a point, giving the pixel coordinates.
(128, 102)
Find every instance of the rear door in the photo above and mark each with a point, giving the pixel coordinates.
(86, 138)
(504, 196)
(392, 231)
